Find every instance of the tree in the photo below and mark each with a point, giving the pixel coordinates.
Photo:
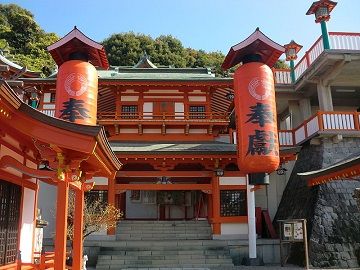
(23, 39)
(97, 216)
(125, 49)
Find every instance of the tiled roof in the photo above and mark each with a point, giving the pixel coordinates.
(117, 73)
(173, 147)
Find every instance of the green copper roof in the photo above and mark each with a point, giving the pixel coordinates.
(155, 73)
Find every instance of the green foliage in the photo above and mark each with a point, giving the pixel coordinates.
(23, 38)
(281, 64)
(125, 49)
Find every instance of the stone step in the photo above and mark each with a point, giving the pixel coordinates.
(174, 267)
(163, 236)
(161, 257)
(113, 254)
(164, 222)
(164, 245)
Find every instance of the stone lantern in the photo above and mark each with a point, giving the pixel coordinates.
(322, 10)
(291, 50)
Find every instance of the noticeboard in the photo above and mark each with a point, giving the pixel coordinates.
(293, 231)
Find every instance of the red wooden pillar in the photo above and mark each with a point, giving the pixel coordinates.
(216, 205)
(209, 206)
(78, 230)
(111, 199)
(61, 224)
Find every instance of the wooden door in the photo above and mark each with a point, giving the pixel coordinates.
(10, 198)
(164, 109)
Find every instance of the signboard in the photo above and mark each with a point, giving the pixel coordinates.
(293, 231)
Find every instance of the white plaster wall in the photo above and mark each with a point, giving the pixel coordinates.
(128, 130)
(138, 209)
(232, 180)
(269, 197)
(148, 110)
(49, 106)
(129, 98)
(152, 130)
(234, 228)
(47, 97)
(179, 110)
(197, 98)
(99, 180)
(47, 205)
(198, 130)
(27, 226)
(175, 130)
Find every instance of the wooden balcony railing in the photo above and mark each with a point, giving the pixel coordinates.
(338, 41)
(174, 117)
(331, 122)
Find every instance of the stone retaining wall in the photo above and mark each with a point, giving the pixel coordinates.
(332, 213)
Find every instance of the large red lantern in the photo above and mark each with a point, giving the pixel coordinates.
(77, 78)
(254, 100)
(258, 148)
(76, 92)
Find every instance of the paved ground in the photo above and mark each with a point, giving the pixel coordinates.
(270, 267)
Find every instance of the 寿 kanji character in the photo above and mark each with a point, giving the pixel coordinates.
(74, 109)
(260, 114)
(261, 143)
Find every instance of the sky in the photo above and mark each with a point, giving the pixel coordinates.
(211, 25)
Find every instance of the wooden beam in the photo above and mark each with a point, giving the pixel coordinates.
(163, 187)
(164, 173)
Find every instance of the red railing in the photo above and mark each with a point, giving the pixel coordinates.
(338, 41)
(174, 117)
(335, 122)
(282, 76)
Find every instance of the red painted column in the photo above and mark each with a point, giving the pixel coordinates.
(78, 230)
(111, 199)
(61, 224)
(216, 205)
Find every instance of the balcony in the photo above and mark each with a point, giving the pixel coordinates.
(338, 41)
(324, 124)
(206, 118)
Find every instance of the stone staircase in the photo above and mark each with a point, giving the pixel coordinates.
(164, 245)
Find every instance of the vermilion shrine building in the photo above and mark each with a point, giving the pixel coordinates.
(173, 130)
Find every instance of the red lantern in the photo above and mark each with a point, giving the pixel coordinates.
(255, 107)
(76, 92)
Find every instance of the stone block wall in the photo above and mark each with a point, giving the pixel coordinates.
(332, 213)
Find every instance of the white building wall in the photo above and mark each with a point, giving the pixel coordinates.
(47, 205)
(27, 226)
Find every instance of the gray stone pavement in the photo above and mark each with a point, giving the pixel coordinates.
(270, 267)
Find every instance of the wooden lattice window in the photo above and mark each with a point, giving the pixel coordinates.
(52, 97)
(93, 195)
(233, 203)
(129, 111)
(10, 198)
(149, 196)
(197, 112)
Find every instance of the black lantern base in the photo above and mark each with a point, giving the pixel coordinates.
(252, 262)
(258, 179)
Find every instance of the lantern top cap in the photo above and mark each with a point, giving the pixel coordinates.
(293, 45)
(322, 3)
(256, 44)
(76, 42)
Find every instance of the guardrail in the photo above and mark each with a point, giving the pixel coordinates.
(153, 117)
(322, 121)
(338, 41)
(282, 76)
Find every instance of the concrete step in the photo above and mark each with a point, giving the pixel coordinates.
(164, 245)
